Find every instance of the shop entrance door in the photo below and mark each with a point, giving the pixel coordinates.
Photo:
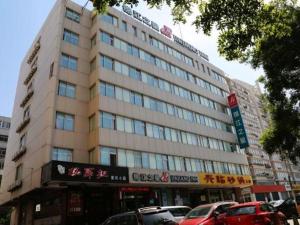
(101, 204)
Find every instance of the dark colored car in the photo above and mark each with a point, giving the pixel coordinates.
(209, 214)
(143, 216)
(254, 213)
(287, 207)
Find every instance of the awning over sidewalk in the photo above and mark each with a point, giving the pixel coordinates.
(267, 188)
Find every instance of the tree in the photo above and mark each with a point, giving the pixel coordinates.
(264, 34)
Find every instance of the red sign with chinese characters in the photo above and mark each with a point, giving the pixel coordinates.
(232, 100)
(167, 31)
(218, 180)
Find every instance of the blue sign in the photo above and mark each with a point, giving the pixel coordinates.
(239, 127)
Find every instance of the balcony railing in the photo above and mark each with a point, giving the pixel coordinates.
(14, 186)
(23, 125)
(30, 75)
(37, 46)
(19, 154)
(27, 98)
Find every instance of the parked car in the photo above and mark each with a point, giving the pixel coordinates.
(143, 216)
(178, 212)
(209, 214)
(287, 207)
(254, 213)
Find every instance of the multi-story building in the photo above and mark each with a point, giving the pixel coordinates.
(110, 115)
(4, 130)
(269, 173)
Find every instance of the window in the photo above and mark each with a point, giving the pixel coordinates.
(130, 158)
(26, 113)
(108, 156)
(159, 161)
(107, 120)
(139, 127)
(64, 121)
(110, 19)
(62, 154)
(137, 159)
(122, 157)
(93, 65)
(93, 91)
(124, 26)
(68, 62)
(107, 38)
(144, 36)
(107, 62)
(19, 172)
(134, 29)
(51, 70)
(66, 89)
(71, 37)
(136, 99)
(4, 124)
(72, 15)
(22, 141)
(3, 138)
(152, 161)
(2, 153)
(145, 160)
(92, 123)
(93, 40)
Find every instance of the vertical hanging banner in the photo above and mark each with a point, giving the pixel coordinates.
(238, 121)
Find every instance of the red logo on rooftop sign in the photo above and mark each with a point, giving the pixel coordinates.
(167, 31)
(232, 101)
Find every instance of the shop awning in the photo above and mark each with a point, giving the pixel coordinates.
(267, 188)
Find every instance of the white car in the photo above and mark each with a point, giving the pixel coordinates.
(178, 212)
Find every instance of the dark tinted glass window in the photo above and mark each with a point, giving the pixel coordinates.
(3, 138)
(198, 212)
(247, 210)
(162, 218)
(179, 211)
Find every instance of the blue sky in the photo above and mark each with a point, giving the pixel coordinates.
(20, 25)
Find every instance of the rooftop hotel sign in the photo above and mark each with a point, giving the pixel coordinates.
(238, 121)
(166, 31)
(141, 18)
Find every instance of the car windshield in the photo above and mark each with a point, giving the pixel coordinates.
(160, 218)
(198, 212)
(244, 210)
(177, 212)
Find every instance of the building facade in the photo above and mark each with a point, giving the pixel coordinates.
(4, 131)
(270, 174)
(113, 113)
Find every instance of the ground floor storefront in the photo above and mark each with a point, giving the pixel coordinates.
(269, 192)
(84, 194)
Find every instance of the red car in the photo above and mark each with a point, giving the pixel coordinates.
(210, 214)
(254, 213)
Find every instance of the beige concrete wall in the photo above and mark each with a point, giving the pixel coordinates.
(41, 133)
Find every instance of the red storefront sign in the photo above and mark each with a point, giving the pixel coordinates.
(135, 189)
(267, 188)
